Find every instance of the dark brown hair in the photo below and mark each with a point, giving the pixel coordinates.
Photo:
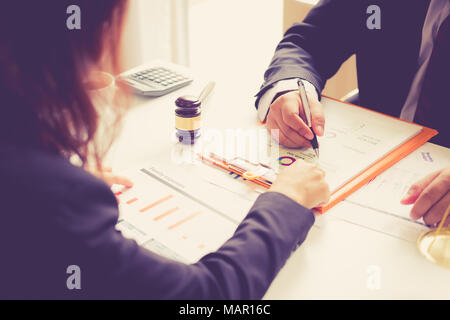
(43, 65)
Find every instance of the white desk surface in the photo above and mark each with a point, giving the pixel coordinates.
(338, 259)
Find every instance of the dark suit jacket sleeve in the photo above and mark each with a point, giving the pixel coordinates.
(315, 48)
(243, 268)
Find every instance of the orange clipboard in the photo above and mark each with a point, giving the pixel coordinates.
(363, 178)
(381, 165)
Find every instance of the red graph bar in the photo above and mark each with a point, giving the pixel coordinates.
(131, 201)
(179, 223)
(165, 214)
(156, 203)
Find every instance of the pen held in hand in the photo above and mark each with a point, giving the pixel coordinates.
(304, 99)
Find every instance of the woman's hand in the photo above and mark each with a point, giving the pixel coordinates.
(303, 183)
(431, 197)
(109, 177)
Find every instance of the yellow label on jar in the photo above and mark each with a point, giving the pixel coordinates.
(187, 124)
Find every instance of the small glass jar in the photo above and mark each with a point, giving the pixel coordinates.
(187, 119)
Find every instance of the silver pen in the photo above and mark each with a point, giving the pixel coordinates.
(304, 99)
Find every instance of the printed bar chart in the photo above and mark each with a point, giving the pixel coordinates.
(156, 212)
(132, 200)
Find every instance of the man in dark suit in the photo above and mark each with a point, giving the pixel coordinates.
(402, 50)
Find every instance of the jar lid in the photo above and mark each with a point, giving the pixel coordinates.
(188, 102)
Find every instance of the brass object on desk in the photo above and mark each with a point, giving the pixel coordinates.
(435, 244)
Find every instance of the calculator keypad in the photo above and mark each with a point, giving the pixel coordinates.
(158, 77)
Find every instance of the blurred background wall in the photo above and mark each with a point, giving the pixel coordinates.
(219, 36)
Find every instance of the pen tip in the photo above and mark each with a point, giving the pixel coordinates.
(317, 152)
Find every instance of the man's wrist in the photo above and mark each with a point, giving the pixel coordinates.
(278, 89)
(279, 94)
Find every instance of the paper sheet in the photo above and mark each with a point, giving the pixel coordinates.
(378, 203)
(354, 139)
(161, 214)
(384, 193)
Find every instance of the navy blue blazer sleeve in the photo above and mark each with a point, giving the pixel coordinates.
(115, 267)
(315, 48)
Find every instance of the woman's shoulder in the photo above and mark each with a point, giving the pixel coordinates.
(38, 171)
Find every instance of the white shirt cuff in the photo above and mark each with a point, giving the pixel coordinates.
(283, 85)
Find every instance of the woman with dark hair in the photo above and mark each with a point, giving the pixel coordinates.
(55, 215)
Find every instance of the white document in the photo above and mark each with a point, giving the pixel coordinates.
(354, 139)
(383, 194)
(162, 214)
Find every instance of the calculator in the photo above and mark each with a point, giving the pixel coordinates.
(156, 81)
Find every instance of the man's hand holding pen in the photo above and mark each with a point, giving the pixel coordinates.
(288, 116)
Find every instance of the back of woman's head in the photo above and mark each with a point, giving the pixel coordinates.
(43, 65)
